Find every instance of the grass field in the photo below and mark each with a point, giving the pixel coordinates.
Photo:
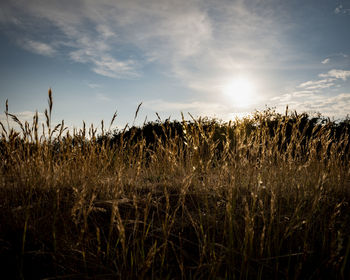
(264, 197)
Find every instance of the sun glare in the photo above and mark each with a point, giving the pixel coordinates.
(240, 91)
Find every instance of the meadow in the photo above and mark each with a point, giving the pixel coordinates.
(262, 197)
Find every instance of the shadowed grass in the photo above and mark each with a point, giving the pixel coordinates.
(265, 197)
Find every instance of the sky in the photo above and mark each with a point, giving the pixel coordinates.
(220, 59)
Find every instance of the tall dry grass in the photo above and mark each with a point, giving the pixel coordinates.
(264, 197)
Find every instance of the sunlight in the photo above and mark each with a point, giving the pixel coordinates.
(240, 91)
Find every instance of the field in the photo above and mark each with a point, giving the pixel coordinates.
(263, 197)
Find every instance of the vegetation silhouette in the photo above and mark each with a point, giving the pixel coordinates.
(262, 197)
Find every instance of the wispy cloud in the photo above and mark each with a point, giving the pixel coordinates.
(24, 116)
(332, 106)
(105, 31)
(110, 67)
(85, 33)
(102, 97)
(336, 59)
(287, 98)
(303, 93)
(96, 53)
(201, 44)
(315, 95)
(93, 85)
(191, 38)
(340, 9)
(326, 60)
(38, 47)
(330, 79)
(320, 84)
(336, 73)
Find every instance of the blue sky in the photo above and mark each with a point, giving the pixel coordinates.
(210, 58)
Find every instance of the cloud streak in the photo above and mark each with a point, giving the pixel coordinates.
(320, 84)
(24, 116)
(311, 96)
(337, 74)
(341, 10)
(332, 106)
(329, 80)
(38, 47)
(326, 60)
(191, 39)
(200, 44)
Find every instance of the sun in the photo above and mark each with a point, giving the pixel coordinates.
(240, 91)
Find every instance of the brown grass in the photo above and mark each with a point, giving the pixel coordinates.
(265, 197)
